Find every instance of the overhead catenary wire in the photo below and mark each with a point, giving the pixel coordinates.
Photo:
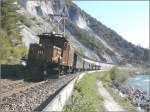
(60, 14)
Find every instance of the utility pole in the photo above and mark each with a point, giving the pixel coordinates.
(62, 17)
(62, 14)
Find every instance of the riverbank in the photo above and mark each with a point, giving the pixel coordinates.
(112, 91)
(140, 71)
(124, 102)
(140, 82)
(131, 100)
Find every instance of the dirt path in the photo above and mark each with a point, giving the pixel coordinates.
(109, 102)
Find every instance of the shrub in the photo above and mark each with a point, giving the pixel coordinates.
(10, 37)
(19, 51)
(26, 22)
(118, 76)
(84, 37)
(107, 76)
(4, 41)
(12, 55)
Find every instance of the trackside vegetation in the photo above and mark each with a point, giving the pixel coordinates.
(117, 77)
(85, 96)
(88, 40)
(11, 48)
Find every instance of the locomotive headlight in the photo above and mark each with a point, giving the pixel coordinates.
(53, 32)
(44, 72)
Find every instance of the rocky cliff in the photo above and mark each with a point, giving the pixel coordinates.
(90, 37)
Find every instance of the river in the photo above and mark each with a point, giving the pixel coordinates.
(141, 82)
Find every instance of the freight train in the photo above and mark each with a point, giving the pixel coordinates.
(55, 53)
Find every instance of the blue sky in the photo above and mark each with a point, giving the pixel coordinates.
(130, 19)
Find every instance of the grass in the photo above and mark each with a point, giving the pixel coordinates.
(124, 102)
(85, 97)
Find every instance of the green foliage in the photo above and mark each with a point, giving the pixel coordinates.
(26, 21)
(13, 54)
(4, 55)
(19, 51)
(8, 53)
(9, 16)
(10, 38)
(10, 22)
(85, 38)
(4, 42)
(133, 53)
(118, 76)
(10, 19)
(106, 76)
(85, 96)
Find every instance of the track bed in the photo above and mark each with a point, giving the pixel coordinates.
(28, 96)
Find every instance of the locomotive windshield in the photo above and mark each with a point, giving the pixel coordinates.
(48, 39)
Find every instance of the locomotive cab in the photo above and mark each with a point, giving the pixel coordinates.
(56, 43)
(46, 55)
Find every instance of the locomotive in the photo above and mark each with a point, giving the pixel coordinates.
(55, 53)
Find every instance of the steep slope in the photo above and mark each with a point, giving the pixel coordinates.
(89, 37)
(122, 49)
(39, 10)
(80, 18)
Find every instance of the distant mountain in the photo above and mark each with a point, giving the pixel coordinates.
(89, 36)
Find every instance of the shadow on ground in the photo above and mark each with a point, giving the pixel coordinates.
(13, 72)
(18, 72)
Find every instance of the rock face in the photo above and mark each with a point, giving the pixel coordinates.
(114, 48)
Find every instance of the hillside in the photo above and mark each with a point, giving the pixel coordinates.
(89, 37)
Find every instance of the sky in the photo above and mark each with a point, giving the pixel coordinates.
(130, 19)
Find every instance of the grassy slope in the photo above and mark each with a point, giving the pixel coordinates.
(11, 47)
(85, 96)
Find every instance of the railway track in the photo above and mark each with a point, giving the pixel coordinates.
(7, 90)
(10, 85)
(28, 97)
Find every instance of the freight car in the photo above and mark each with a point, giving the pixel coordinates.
(54, 53)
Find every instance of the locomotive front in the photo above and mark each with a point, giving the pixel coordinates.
(47, 55)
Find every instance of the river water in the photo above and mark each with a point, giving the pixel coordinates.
(141, 82)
